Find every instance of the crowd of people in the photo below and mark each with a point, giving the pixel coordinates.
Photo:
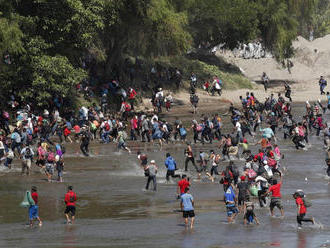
(39, 138)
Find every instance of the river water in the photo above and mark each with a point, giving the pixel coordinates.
(114, 211)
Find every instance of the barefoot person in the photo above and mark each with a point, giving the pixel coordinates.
(187, 206)
(70, 202)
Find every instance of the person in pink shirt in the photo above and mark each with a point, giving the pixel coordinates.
(319, 124)
(41, 161)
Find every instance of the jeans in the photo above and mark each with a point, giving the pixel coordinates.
(105, 137)
(84, 148)
(16, 145)
(153, 179)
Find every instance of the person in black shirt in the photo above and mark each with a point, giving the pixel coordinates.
(85, 138)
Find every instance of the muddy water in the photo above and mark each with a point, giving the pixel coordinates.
(114, 211)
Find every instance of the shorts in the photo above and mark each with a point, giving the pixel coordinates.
(242, 199)
(33, 212)
(60, 173)
(276, 202)
(70, 209)
(189, 213)
(231, 209)
(50, 169)
(26, 163)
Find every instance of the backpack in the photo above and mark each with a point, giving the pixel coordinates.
(63, 149)
(199, 128)
(93, 126)
(72, 197)
(169, 127)
(195, 99)
(127, 107)
(51, 157)
(124, 135)
(28, 153)
(183, 131)
(307, 202)
(210, 124)
(107, 126)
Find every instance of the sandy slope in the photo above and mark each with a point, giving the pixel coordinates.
(311, 60)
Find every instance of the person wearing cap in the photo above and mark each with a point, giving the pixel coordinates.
(170, 164)
(152, 168)
(301, 208)
(34, 209)
(27, 157)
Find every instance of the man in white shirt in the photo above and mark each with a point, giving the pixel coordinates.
(239, 131)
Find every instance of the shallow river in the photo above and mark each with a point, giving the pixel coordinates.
(114, 211)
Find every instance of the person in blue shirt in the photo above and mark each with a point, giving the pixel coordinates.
(187, 207)
(230, 201)
(170, 164)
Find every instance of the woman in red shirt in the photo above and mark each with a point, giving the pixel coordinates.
(301, 208)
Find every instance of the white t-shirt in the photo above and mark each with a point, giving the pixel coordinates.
(238, 126)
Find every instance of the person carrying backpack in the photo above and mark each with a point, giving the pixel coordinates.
(302, 205)
(194, 99)
(70, 202)
(27, 156)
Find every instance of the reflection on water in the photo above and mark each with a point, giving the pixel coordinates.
(70, 237)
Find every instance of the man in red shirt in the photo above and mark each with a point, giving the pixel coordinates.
(182, 185)
(33, 209)
(301, 208)
(131, 96)
(276, 200)
(70, 202)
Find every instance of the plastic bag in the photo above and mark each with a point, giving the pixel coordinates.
(27, 200)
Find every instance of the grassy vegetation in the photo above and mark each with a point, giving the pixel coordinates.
(205, 70)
